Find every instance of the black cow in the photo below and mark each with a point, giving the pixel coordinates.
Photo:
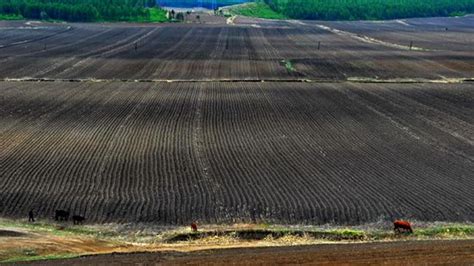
(31, 216)
(77, 219)
(61, 215)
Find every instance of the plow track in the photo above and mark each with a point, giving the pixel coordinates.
(240, 51)
(171, 153)
(243, 122)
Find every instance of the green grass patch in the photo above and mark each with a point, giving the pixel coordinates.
(57, 229)
(288, 65)
(22, 258)
(449, 230)
(157, 15)
(457, 14)
(349, 233)
(255, 9)
(10, 17)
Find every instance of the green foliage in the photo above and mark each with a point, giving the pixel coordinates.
(452, 230)
(41, 257)
(288, 65)
(10, 17)
(157, 15)
(458, 14)
(349, 233)
(83, 10)
(256, 9)
(368, 9)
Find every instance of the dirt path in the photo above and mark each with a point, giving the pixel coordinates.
(459, 252)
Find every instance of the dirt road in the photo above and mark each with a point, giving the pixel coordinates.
(459, 252)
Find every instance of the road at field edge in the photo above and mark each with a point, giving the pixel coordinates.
(458, 252)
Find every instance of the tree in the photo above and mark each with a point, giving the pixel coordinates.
(180, 16)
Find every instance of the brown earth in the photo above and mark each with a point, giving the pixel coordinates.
(211, 149)
(171, 153)
(250, 49)
(454, 252)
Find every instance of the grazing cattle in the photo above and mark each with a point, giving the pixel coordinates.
(401, 226)
(31, 216)
(77, 219)
(194, 227)
(61, 215)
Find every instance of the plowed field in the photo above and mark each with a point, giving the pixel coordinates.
(288, 152)
(217, 145)
(249, 49)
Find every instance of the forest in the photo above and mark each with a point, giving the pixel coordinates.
(84, 10)
(369, 9)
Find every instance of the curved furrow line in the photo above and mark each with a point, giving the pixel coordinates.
(338, 131)
(462, 108)
(58, 48)
(188, 122)
(62, 65)
(189, 103)
(48, 153)
(410, 125)
(298, 167)
(412, 184)
(32, 121)
(199, 57)
(144, 180)
(96, 51)
(113, 185)
(268, 53)
(425, 108)
(53, 157)
(209, 68)
(68, 28)
(104, 136)
(275, 192)
(161, 177)
(230, 196)
(258, 158)
(305, 146)
(426, 63)
(344, 133)
(206, 139)
(375, 148)
(299, 150)
(163, 70)
(207, 180)
(32, 140)
(171, 191)
(382, 163)
(338, 62)
(96, 137)
(294, 153)
(13, 108)
(440, 120)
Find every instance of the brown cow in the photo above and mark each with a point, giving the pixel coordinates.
(194, 227)
(401, 226)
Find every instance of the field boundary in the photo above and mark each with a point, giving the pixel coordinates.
(349, 79)
(44, 240)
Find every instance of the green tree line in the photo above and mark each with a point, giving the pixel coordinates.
(79, 10)
(369, 9)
